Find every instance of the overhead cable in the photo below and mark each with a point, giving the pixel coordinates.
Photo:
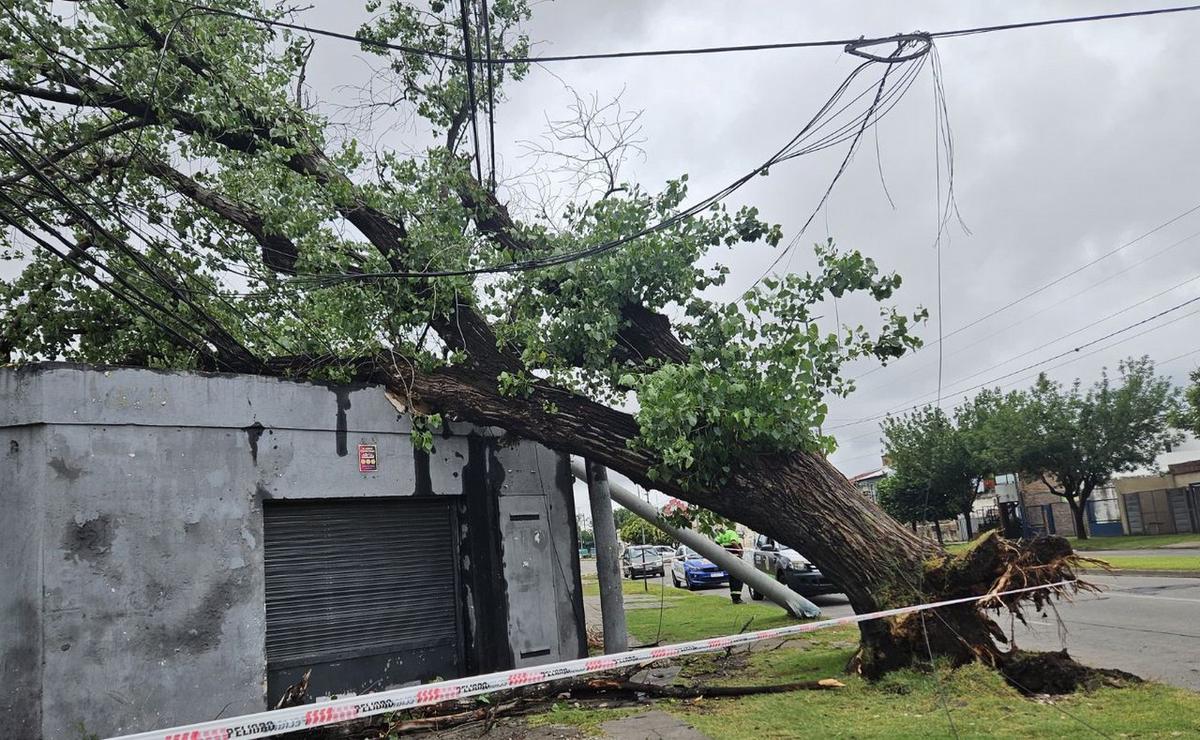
(852, 46)
(1046, 286)
(1039, 363)
(791, 149)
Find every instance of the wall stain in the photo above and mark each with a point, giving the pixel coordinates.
(343, 405)
(14, 447)
(483, 583)
(91, 540)
(262, 492)
(254, 432)
(423, 482)
(200, 629)
(63, 469)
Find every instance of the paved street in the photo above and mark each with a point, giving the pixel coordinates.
(1145, 625)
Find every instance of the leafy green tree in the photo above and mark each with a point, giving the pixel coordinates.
(1187, 416)
(178, 200)
(936, 473)
(637, 531)
(1074, 440)
(621, 516)
(583, 526)
(905, 504)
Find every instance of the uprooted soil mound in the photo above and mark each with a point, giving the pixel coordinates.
(1059, 673)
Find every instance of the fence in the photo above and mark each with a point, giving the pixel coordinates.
(1163, 511)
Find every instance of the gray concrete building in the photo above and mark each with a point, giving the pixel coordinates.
(179, 546)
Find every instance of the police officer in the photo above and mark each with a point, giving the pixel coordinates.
(733, 545)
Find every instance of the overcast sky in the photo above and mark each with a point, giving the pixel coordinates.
(1069, 142)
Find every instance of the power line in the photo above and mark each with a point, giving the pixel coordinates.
(1112, 315)
(1018, 381)
(852, 45)
(491, 91)
(1047, 286)
(1189, 353)
(1076, 271)
(73, 262)
(1057, 303)
(1026, 353)
(470, 63)
(790, 150)
(182, 291)
(1039, 363)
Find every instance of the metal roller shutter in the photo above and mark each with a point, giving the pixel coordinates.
(363, 591)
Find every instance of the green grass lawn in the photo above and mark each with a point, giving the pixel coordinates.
(906, 704)
(1167, 560)
(911, 704)
(1153, 562)
(1133, 541)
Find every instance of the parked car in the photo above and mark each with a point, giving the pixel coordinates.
(666, 550)
(693, 570)
(641, 561)
(789, 568)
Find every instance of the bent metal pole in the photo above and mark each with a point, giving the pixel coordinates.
(794, 603)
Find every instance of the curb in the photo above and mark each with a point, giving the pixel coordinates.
(1136, 572)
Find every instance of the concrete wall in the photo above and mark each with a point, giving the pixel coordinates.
(132, 593)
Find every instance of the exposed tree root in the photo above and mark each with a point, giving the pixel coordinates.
(1058, 673)
(967, 633)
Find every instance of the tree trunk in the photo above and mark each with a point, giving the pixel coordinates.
(967, 517)
(937, 529)
(798, 499)
(1077, 508)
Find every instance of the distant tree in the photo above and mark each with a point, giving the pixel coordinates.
(637, 531)
(903, 501)
(1187, 416)
(587, 538)
(621, 516)
(1074, 441)
(937, 468)
(583, 525)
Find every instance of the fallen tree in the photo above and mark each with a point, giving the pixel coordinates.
(183, 208)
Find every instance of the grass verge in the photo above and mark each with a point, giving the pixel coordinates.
(1133, 542)
(913, 704)
(907, 704)
(1153, 562)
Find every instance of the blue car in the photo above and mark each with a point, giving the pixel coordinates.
(693, 570)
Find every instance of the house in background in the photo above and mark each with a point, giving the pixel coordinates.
(1162, 499)
(176, 546)
(868, 482)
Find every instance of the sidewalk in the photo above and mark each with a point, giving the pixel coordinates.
(652, 724)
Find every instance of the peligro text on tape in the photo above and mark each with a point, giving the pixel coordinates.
(278, 721)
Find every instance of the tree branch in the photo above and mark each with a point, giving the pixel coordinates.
(108, 132)
(278, 252)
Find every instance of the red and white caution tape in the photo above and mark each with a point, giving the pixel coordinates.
(274, 722)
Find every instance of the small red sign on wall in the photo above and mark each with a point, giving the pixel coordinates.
(368, 460)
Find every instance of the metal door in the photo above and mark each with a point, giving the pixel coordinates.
(362, 591)
(1133, 513)
(1177, 501)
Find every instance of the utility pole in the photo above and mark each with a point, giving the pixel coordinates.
(608, 564)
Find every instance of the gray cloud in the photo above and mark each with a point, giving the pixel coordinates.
(1069, 141)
